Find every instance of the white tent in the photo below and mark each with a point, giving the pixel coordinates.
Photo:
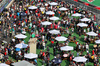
(46, 23)
(61, 38)
(84, 19)
(92, 33)
(21, 45)
(66, 48)
(32, 7)
(76, 14)
(50, 13)
(3, 64)
(54, 18)
(20, 36)
(97, 41)
(53, 3)
(63, 9)
(22, 63)
(30, 55)
(54, 31)
(80, 59)
(82, 24)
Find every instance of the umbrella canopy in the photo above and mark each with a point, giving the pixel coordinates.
(54, 18)
(32, 7)
(21, 45)
(20, 36)
(82, 24)
(22, 63)
(80, 59)
(54, 31)
(17, 49)
(66, 48)
(3, 64)
(56, 60)
(85, 19)
(61, 38)
(23, 32)
(4, 41)
(46, 23)
(50, 13)
(76, 14)
(97, 41)
(53, 3)
(92, 33)
(63, 9)
(30, 55)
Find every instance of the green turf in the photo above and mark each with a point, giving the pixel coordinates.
(95, 2)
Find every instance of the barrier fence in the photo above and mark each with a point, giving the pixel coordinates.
(3, 4)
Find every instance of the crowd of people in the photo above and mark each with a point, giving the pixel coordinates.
(20, 19)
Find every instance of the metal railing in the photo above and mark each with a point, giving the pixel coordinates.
(3, 4)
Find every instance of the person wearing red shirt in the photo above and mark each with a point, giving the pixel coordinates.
(93, 52)
(52, 42)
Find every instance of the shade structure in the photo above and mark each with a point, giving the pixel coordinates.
(53, 3)
(82, 24)
(32, 7)
(46, 23)
(20, 36)
(54, 31)
(50, 13)
(3, 64)
(63, 9)
(76, 14)
(66, 48)
(56, 60)
(54, 18)
(97, 41)
(31, 56)
(61, 38)
(22, 63)
(42, 8)
(23, 32)
(92, 33)
(80, 59)
(4, 41)
(84, 19)
(21, 45)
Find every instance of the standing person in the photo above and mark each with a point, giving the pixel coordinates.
(54, 51)
(43, 45)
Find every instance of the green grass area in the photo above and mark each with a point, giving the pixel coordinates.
(95, 2)
(64, 62)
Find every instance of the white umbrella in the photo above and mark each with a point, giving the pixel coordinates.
(20, 36)
(54, 31)
(30, 55)
(21, 45)
(3, 64)
(82, 24)
(61, 38)
(54, 18)
(53, 3)
(22, 63)
(76, 14)
(23, 32)
(97, 41)
(46, 23)
(92, 33)
(80, 59)
(42, 8)
(66, 48)
(32, 7)
(85, 19)
(63, 9)
(50, 13)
